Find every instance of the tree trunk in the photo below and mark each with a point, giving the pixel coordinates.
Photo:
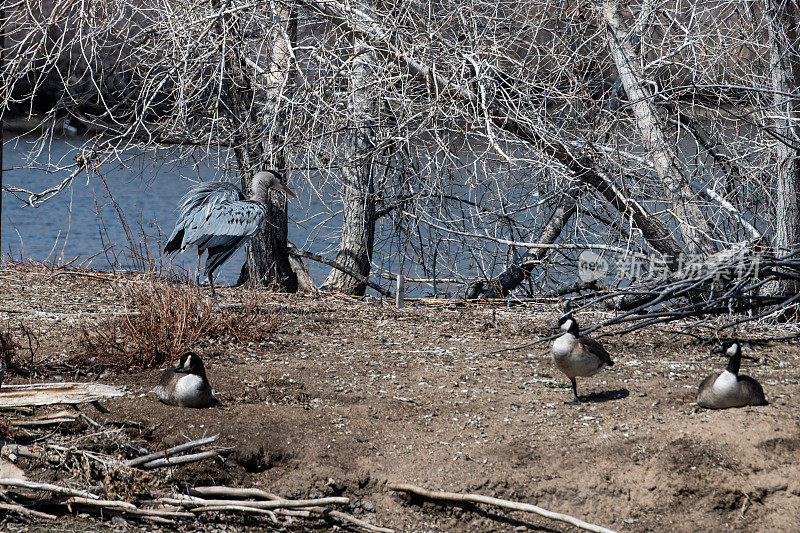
(358, 195)
(514, 275)
(783, 18)
(691, 221)
(267, 256)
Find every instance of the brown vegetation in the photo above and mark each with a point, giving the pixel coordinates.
(162, 321)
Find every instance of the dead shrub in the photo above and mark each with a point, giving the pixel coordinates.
(8, 349)
(164, 321)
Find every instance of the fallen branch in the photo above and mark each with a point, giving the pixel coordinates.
(338, 266)
(727, 282)
(41, 422)
(179, 460)
(270, 504)
(128, 508)
(106, 504)
(350, 519)
(19, 509)
(56, 393)
(506, 504)
(233, 492)
(55, 489)
(170, 451)
(236, 508)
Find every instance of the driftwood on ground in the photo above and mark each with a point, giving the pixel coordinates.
(506, 504)
(56, 393)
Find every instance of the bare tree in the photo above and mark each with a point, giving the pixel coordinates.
(636, 129)
(358, 179)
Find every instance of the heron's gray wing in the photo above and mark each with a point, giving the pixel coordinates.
(223, 227)
(199, 199)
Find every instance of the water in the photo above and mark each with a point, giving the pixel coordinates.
(82, 220)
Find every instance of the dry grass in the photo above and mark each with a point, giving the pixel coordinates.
(164, 321)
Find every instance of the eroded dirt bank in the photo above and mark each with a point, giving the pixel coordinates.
(349, 394)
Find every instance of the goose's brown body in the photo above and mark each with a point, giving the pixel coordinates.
(185, 385)
(728, 389)
(578, 356)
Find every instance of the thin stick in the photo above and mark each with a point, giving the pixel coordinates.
(114, 504)
(348, 518)
(128, 508)
(181, 459)
(175, 449)
(43, 422)
(232, 492)
(55, 489)
(26, 512)
(507, 504)
(237, 508)
(271, 504)
(293, 512)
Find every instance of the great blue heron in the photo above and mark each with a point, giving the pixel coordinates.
(216, 216)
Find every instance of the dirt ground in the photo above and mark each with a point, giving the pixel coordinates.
(350, 394)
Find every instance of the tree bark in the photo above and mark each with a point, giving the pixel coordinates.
(783, 19)
(514, 275)
(358, 194)
(691, 221)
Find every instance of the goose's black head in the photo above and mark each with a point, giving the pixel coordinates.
(729, 348)
(733, 350)
(191, 363)
(569, 324)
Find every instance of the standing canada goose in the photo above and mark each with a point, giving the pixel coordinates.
(577, 356)
(186, 384)
(728, 388)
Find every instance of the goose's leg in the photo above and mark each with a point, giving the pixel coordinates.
(574, 392)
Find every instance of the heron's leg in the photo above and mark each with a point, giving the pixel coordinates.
(213, 293)
(199, 253)
(574, 392)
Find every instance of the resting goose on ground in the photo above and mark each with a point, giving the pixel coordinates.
(728, 388)
(186, 384)
(577, 356)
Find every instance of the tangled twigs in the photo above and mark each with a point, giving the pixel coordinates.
(269, 504)
(731, 281)
(506, 504)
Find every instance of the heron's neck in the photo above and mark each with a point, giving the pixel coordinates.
(260, 191)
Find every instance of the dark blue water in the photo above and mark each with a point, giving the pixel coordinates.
(82, 221)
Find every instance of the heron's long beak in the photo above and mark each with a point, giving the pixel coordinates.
(288, 191)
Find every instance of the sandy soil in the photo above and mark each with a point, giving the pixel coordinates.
(351, 394)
